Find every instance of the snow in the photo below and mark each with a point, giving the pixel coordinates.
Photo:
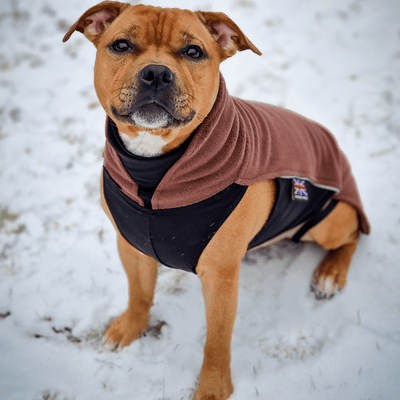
(61, 281)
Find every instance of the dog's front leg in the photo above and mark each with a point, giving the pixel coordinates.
(218, 269)
(141, 272)
(220, 291)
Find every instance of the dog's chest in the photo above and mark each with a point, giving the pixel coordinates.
(175, 237)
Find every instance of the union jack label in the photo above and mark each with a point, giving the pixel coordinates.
(299, 191)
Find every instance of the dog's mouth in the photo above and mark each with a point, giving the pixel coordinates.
(151, 115)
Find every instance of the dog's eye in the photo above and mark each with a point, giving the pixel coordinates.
(121, 46)
(193, 52)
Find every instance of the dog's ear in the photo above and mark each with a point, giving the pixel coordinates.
(226, 33)
(96, 20)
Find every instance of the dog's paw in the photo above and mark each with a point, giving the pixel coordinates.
(213, 385)
(123, 331)
(329, 277)
(325, 289)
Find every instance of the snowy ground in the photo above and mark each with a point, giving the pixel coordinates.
(61, 282)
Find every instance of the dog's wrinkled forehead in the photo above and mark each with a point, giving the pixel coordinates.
(150, 26)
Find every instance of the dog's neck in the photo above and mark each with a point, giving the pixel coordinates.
(152, 143)
(144, 145)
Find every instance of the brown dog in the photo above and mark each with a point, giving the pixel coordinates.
(157, 77)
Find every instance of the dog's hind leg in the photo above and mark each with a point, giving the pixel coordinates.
(141, 272)
(338, 233)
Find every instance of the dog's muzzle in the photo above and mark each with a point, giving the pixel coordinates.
(153, 106)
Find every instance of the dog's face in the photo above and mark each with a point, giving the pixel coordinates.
(157, 69)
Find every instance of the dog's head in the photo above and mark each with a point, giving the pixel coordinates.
(157, 69)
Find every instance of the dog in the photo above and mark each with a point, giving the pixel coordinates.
(194, 178)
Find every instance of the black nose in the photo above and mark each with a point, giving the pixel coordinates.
(156, 76)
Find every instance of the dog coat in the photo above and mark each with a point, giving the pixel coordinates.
(170, 206)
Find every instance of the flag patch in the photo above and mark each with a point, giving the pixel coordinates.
(299, 190)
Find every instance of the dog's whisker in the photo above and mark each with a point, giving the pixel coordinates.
(188, 94)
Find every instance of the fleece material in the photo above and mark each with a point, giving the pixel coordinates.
(246, 142)
(176, 237)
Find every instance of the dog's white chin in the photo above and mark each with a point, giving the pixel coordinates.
(159, 121)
